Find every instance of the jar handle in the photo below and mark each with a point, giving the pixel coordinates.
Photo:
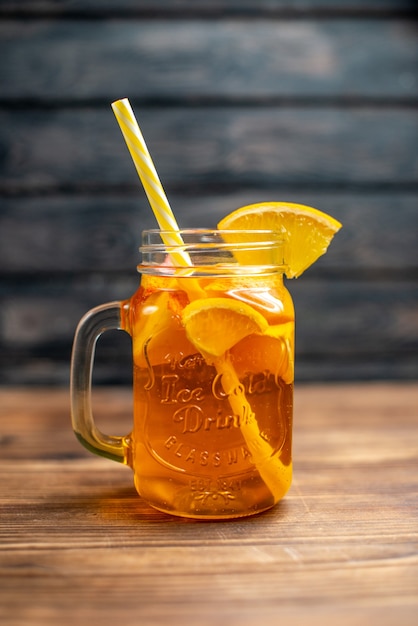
(91, 326)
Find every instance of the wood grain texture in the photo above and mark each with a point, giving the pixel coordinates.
(204, 7)
(78, 544)
(240, 102)
(233, 146)
(208, 59)
(101, 232)
(355, 309)
(345, 329)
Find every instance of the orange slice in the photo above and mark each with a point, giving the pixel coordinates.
(285, 333)
(307, 231)
(263, 353)
(214, 325)
(155, 317)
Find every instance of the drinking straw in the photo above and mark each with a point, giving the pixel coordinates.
(261, 451)
(150, 179)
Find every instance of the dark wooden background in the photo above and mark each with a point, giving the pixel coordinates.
(240, 101)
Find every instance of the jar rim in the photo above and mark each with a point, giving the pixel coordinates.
(204, 251)
(154, 237)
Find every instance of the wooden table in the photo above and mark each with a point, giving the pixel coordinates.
(78, 546)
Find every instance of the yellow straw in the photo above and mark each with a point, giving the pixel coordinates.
(167, 222)
(150, 179)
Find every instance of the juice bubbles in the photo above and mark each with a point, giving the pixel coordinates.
(212, 425)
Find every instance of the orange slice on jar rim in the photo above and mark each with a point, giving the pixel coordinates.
(307, 232)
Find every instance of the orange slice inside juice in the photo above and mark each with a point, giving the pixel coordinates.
(214, 325)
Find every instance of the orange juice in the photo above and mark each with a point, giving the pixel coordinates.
(212, 328)
(212, 435)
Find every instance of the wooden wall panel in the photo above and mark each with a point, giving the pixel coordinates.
(183, 8)
(101, 232)
(210, 146)
(349, 326)
(208, 59)
(240, 102)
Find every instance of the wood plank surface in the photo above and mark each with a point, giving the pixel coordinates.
(211, 146)
(203, 7)
(355, 325)
(355, 309)
(208, 59)
(380, 232)
(78, 544)
(240, 101)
